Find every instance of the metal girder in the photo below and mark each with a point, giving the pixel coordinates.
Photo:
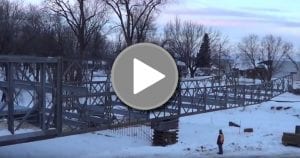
(69, 96)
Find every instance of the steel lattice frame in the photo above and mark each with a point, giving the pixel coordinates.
(63, 97)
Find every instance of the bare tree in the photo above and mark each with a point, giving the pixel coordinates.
(270, 51)
(84, 17)
(274, 51)
(249, 48)
(64, 36)
(183, 40)
(11, 17)
(145, 28)
(223, 56)
(36, 37)
(134, 17)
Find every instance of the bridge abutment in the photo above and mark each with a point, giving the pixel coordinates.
(165, 132)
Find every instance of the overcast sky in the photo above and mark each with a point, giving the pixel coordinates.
(237, 18)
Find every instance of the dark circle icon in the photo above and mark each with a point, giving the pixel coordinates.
(144, 76)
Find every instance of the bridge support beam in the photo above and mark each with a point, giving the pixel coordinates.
(165, 132)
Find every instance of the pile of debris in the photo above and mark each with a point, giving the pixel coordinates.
(246, 130)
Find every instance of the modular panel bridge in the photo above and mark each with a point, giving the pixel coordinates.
(51, 97)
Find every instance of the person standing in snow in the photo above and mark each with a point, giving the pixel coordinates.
(220, 142)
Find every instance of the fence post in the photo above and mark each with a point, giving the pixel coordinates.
(226, 97)
(266, 91)
(244, 95)
(272, 89)
(291, 77)
(10, 96)
(108, 102)
(204, 98)
(179, 98)
(251, 95)
(58, 108)
(42, 96)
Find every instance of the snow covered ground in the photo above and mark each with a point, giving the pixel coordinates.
(197, 137)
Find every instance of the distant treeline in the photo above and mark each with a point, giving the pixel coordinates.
(101, 29)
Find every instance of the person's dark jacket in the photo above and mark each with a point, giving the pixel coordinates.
(220, 140)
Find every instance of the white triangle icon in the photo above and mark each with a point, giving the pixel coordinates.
(144, 76)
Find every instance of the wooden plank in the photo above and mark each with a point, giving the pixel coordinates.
(165, 125)
(291, 139)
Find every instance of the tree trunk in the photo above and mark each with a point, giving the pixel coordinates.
(192, 73)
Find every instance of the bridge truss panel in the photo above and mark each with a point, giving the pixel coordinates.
(50, 97)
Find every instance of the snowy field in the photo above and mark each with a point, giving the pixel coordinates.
(197, 137)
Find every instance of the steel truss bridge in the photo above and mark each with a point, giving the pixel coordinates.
(52, 97)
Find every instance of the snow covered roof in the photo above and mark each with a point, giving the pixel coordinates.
(180, 63)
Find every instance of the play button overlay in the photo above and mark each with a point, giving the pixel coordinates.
(144, 76)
